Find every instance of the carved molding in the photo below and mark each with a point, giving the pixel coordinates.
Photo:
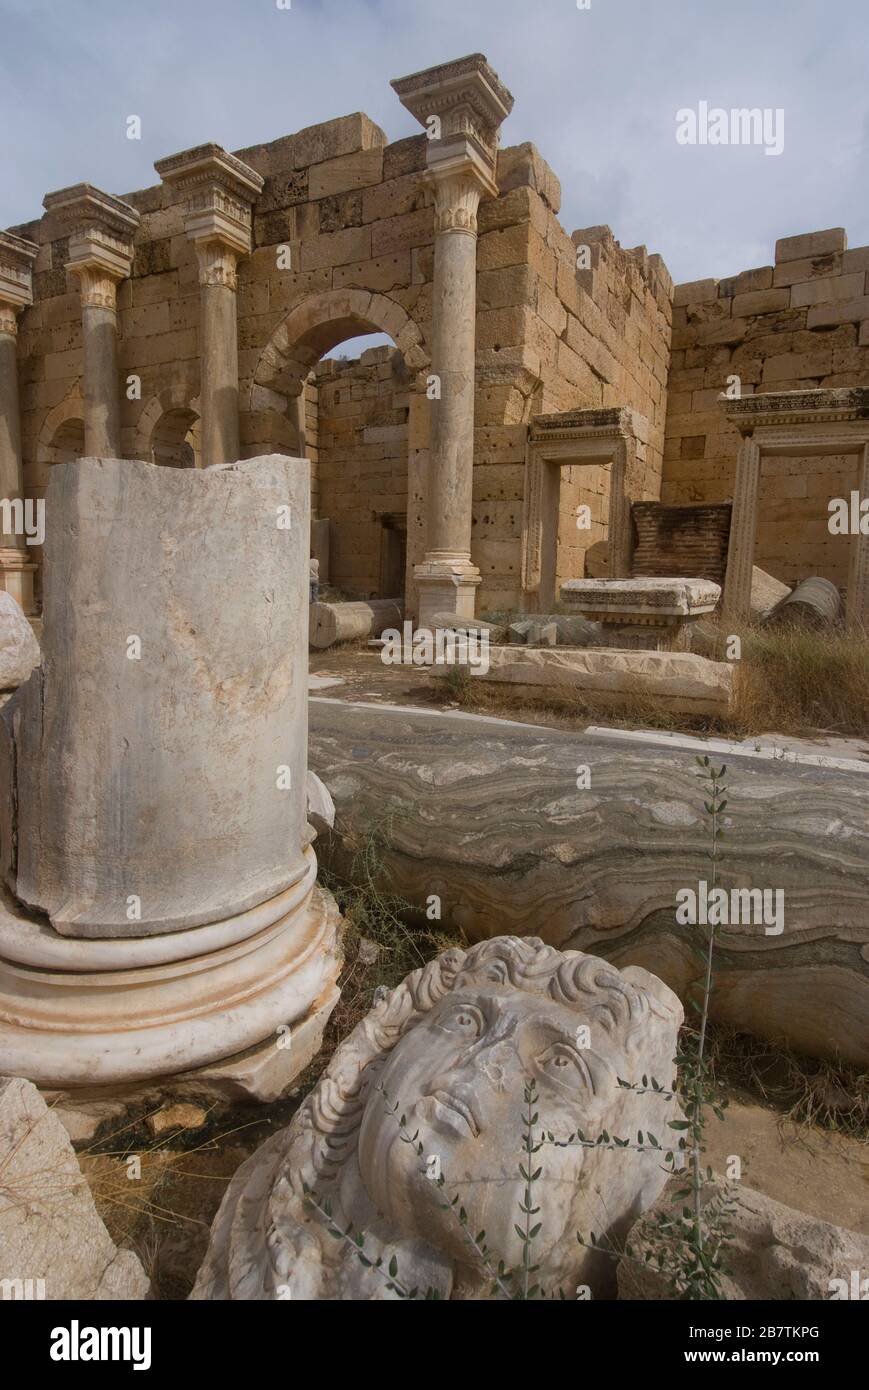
(820, 407)
(467, 95)
(98, 286)
(16, 279)
(218, 191)
(217, 264)
(579, 437)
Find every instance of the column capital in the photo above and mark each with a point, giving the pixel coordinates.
(458, 179)
(468, 102)
(218, 191)
(16, 279)
(100, 228)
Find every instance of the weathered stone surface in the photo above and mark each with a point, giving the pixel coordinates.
(774, 1252)
(679, 597)
(813, 603)
(453, 1048)
(346, 622)
(321, 807)
(679, 681)
(766, 592)
(19, 649)
(157, 777)
(49, 1226)
(599, 868)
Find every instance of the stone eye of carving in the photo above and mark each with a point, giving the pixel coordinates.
(465, 1020)
(563, 1065)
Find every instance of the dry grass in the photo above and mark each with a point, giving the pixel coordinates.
(794, 681)
(809, 1091)
(789, 681)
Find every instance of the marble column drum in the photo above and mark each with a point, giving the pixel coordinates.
(161, 911)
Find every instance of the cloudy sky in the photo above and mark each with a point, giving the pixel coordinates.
(597, 90)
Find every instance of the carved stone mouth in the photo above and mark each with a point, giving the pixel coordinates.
(456, 1108)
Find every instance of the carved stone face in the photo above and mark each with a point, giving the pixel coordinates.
(459, 1076)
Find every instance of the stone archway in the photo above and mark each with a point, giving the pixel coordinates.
(276, 417)
(168, 430)
(318, 324)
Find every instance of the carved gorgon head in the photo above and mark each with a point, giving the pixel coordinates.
(451, 1050)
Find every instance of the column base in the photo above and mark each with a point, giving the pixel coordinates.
(446, 586)
(16, 577)
(80, 1015)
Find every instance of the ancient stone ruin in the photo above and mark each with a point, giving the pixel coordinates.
(162, 912)
(467, 609)
(446, 1056)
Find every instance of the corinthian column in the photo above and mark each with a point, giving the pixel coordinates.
(219, 192)
(461, 105)
(100, 230)
(16, 292)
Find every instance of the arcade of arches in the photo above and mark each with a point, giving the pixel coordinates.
(189, 324)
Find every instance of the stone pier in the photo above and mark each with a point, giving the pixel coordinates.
(162, 912)
(219, 191)
(100, 230)
(16, 293)
(461, 105)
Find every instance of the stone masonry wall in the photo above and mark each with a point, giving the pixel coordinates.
(800, 323)
(553, 337)
(361, 462)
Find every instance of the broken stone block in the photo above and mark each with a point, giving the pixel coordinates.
(517, 633)
(53, 1244)
(321, 807)
(542, 634)
(766, 592)
(19, 649)
(450, 1047)
(773, 1252)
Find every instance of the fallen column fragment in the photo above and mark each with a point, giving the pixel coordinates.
(551, 833)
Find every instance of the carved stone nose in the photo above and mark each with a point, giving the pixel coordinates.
(494, 1063)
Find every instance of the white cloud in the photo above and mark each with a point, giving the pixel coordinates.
(597, 91)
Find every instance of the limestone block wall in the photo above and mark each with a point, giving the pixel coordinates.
(551, 337)
(349, 216)
(362, 463)
(800, 323)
